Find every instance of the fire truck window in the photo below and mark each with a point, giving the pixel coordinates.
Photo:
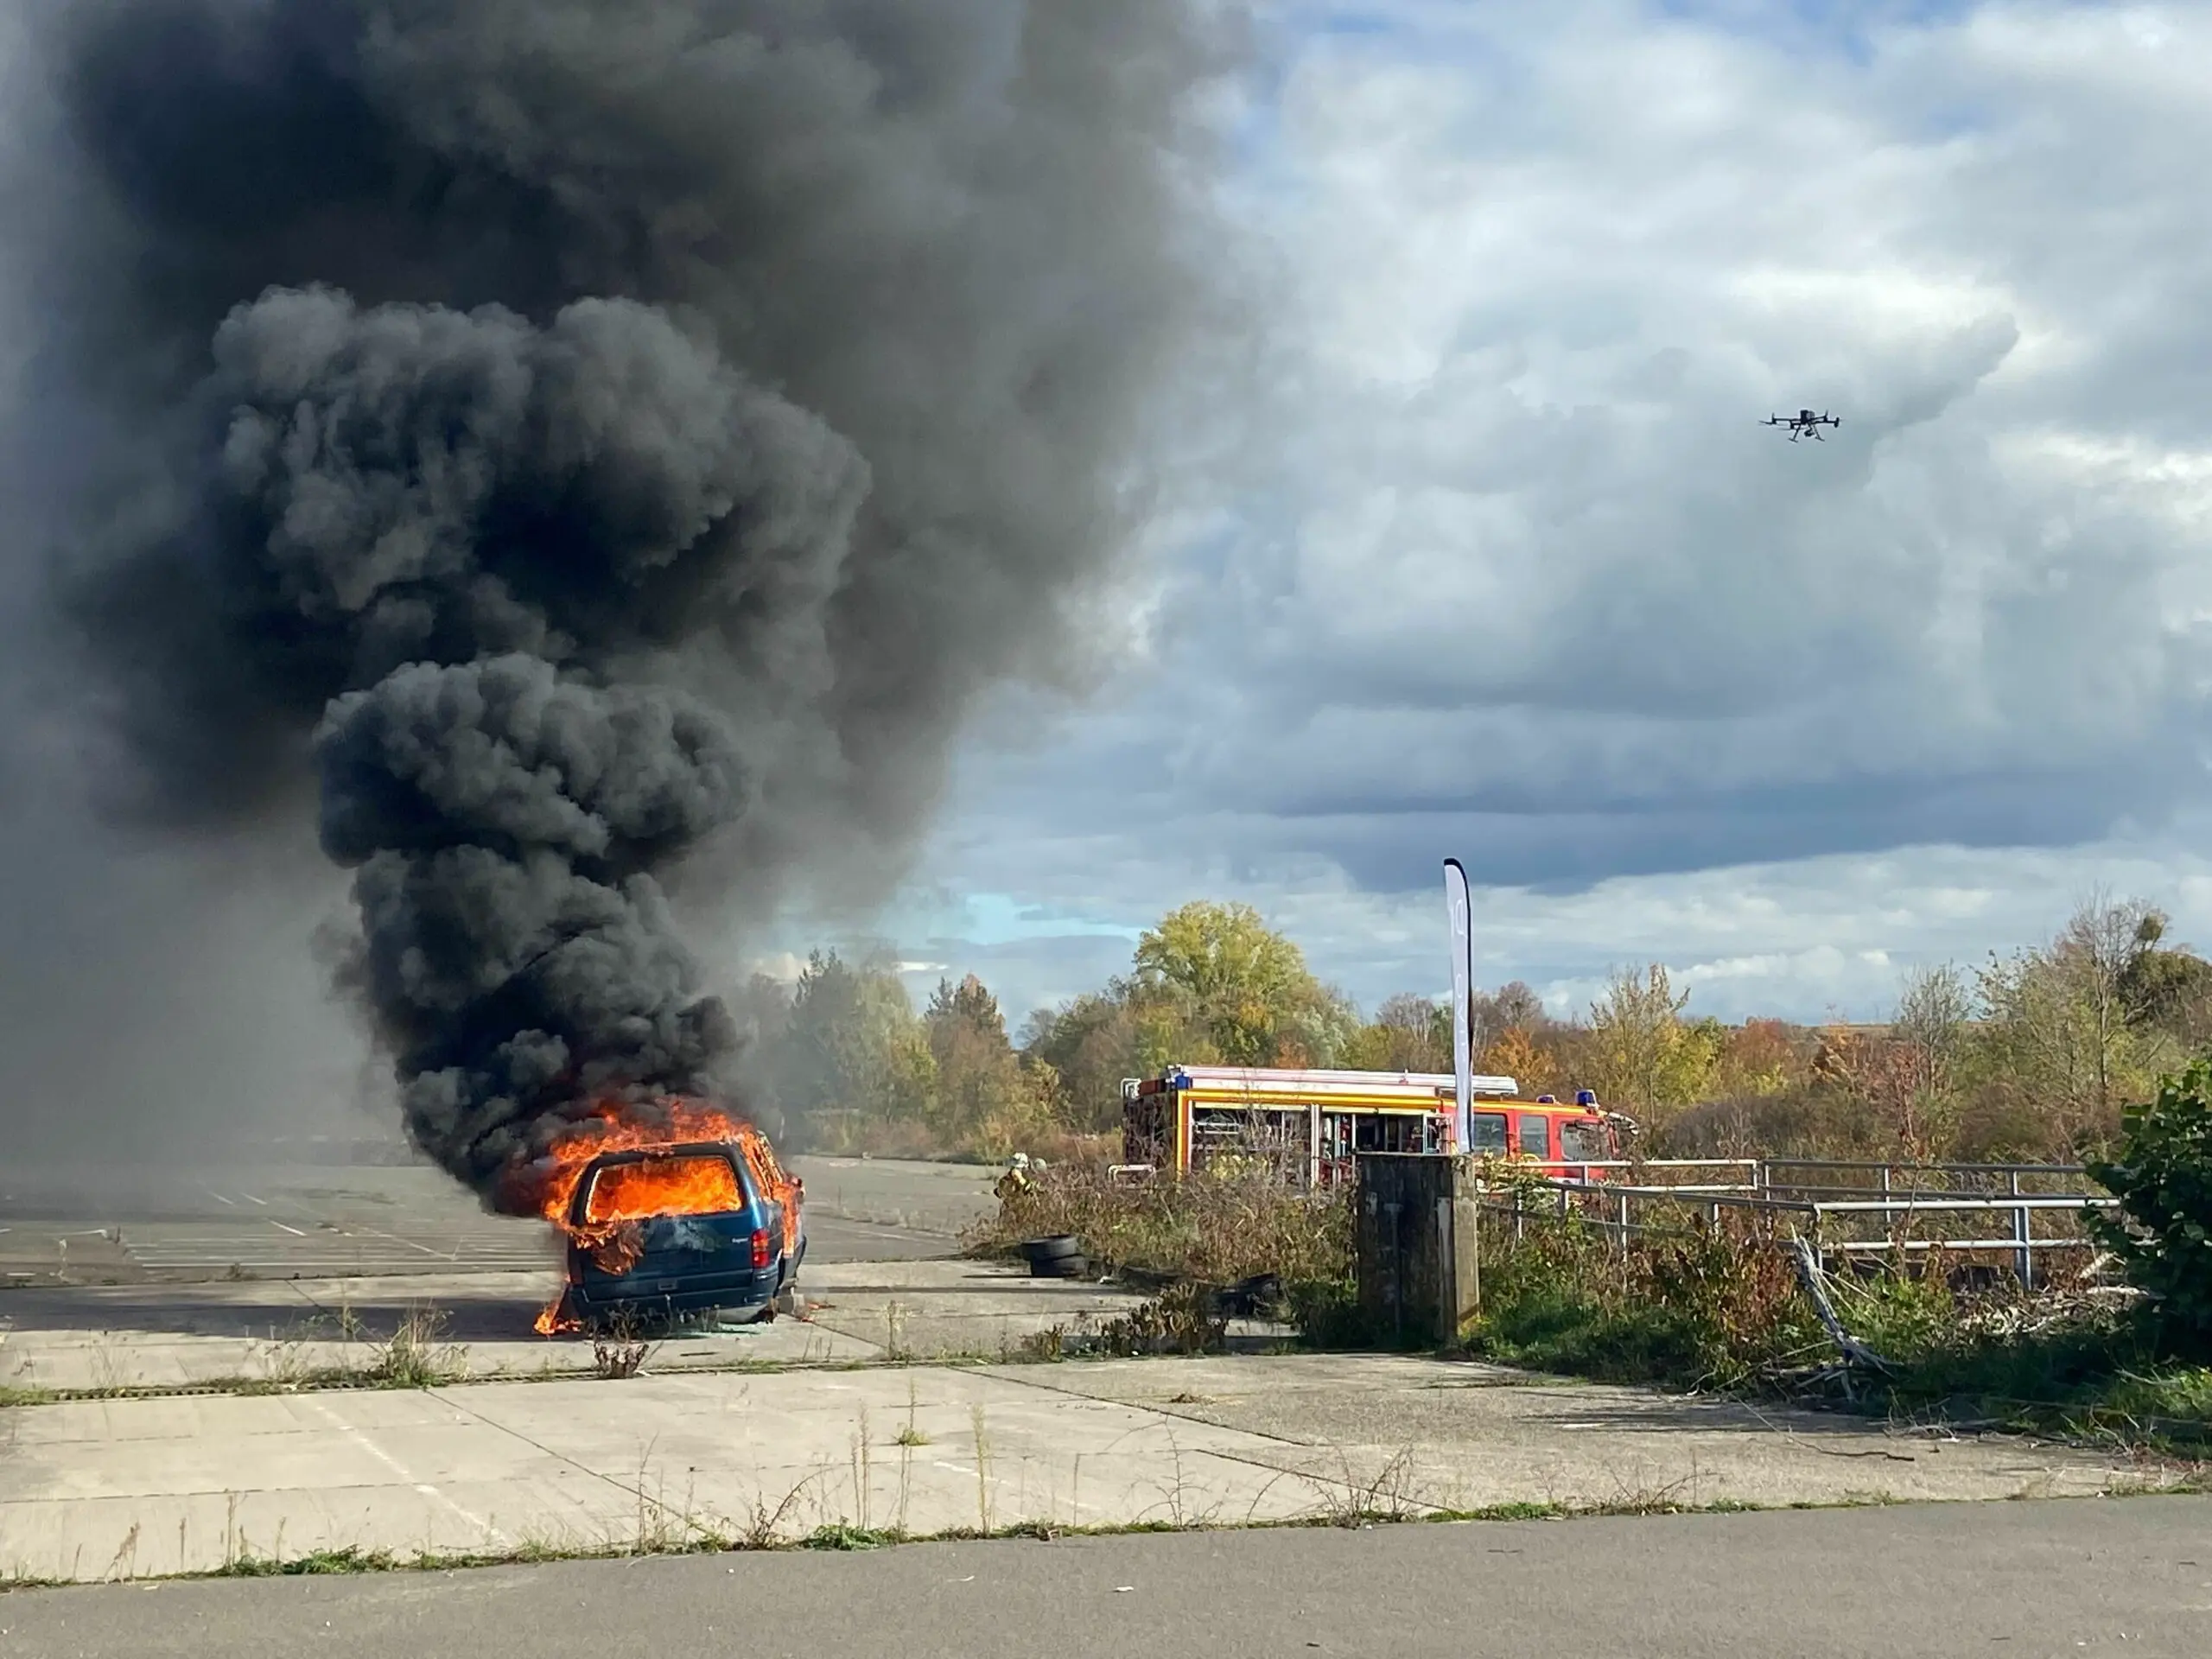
(1487, 1132)
(1583, 1141)
(1532, 1134)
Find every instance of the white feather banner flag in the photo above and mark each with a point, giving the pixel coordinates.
(1455, 905)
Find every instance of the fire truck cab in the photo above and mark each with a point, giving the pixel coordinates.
(1311, 1124)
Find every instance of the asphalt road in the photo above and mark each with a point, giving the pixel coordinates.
(2131, 1576)
(117, 1225)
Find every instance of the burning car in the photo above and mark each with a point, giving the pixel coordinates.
(682, 1227)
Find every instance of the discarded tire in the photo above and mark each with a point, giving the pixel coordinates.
(1058, 1257)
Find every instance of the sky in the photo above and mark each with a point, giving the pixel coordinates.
(1477, 548)
(1493, 559)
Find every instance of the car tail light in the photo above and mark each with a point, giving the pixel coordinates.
(759, 1247)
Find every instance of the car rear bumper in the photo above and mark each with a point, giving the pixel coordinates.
(679, 1292)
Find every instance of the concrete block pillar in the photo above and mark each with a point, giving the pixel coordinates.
(1417, 1241)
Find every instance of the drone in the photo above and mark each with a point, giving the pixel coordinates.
(1803, 423)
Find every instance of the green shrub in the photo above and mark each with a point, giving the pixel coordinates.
(1705, 1307)
(2163, 1232)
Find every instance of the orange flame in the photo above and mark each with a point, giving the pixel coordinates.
(630, 1194)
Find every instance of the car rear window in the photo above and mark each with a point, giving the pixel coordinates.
(1532, 1134)
(699, 1184)
(1486, 1132)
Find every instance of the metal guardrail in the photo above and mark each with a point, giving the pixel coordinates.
(1853, 1192)
(1613, 1206)
(1768, 1174)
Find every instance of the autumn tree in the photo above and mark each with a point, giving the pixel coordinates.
(850, 1049)
(1249, 985)
(1513, 1006)
(1514, 1053)
(978, 1076)
(2167, 988)
(1758, 1059)
(1928, 1036)
(2057, 1036)
(1407, 1033)
(1642, 1054)
(1091, 1043)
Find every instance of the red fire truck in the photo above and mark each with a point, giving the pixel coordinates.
(1310, 1124)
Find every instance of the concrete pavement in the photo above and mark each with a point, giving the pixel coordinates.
(117, 1277)
(2030, 1581)
(120, 1488)
(714, 1444)
(115, 1224)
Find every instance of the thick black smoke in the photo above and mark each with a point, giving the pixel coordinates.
(481, 523)
(577, 433)
(520, 958)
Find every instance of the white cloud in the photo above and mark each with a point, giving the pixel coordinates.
(1507, 569)
(1804, 939)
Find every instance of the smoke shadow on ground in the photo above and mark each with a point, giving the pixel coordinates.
(281, 1310)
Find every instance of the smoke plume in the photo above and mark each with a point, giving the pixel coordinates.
(571, 436)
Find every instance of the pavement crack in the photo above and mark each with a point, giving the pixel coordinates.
(445, 1398)
(1158, 1409)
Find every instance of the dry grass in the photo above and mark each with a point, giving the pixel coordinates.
(416, 1357)
(615, 1359)
(1215, 1230)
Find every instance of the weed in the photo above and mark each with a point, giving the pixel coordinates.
(1056, 1341)
(764, 1525)
(1175, 1496)
(839, 1536)
(1350, 1500)
(911, 1435)
(107, 1367)
(906, 1485)
(125, 1564)
(414, 1358)
(982, 1468)
(1522, 1512)
(863, 1473)
(1185, 1319)
(615, 1359)
(350, 1558)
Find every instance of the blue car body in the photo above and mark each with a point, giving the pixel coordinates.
(690, 1263)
